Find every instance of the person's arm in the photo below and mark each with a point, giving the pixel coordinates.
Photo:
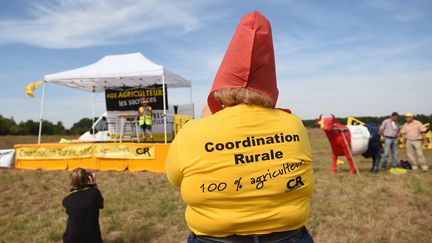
(423, 134)
(382, 127)
(403, 131)
(139, 111)
(173, 172)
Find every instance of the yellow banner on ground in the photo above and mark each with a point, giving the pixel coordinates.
(353, 121)
(109, 151)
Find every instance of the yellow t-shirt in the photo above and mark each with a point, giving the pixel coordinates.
(244, 170)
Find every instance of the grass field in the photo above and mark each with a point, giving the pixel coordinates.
(143, 207)
(7, 142)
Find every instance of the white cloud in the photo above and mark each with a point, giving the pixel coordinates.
(326, 62)
(312, 56)
(360, 75)
(358, 95)
(199, 65)
(82, 23)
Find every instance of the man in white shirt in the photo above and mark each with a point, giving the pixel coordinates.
(389, 130)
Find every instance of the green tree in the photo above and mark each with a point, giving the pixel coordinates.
(28, 127)
(60, 129)
(81, 126)
(5, 125)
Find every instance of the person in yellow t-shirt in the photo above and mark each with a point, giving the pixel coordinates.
(245, 171)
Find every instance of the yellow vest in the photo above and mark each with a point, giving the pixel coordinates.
(244, 170)
(146, 116)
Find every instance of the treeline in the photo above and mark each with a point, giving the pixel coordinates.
(8, 126)
(371, 119)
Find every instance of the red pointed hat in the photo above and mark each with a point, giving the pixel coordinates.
(249, 61)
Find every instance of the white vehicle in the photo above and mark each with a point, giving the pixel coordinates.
(122, 126)
(99, 132)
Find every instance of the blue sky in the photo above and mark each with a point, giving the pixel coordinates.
(358, 58)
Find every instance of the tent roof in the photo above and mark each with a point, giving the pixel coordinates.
(130, 70)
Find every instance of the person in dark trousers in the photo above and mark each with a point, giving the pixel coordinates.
(82, 206)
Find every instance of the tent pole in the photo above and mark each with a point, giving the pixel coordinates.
(193, 108)
(93, 113)
(41, 112)
(164, 106)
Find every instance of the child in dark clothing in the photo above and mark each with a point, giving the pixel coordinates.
(82, 206)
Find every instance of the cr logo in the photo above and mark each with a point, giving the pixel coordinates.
(294, 183)
(145, 150)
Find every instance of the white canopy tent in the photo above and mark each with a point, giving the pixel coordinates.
(128, 70)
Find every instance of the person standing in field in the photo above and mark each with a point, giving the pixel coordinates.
(389, 129)
(145, 114)
(414, 136)
(82, 207)
(430, 129)
(245, 171)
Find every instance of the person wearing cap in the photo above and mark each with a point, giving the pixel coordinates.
(389, 129)
(245, 171)
(145, 114)
(414, 136)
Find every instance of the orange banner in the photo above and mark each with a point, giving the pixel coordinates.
(37, 156)
(79, 151)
